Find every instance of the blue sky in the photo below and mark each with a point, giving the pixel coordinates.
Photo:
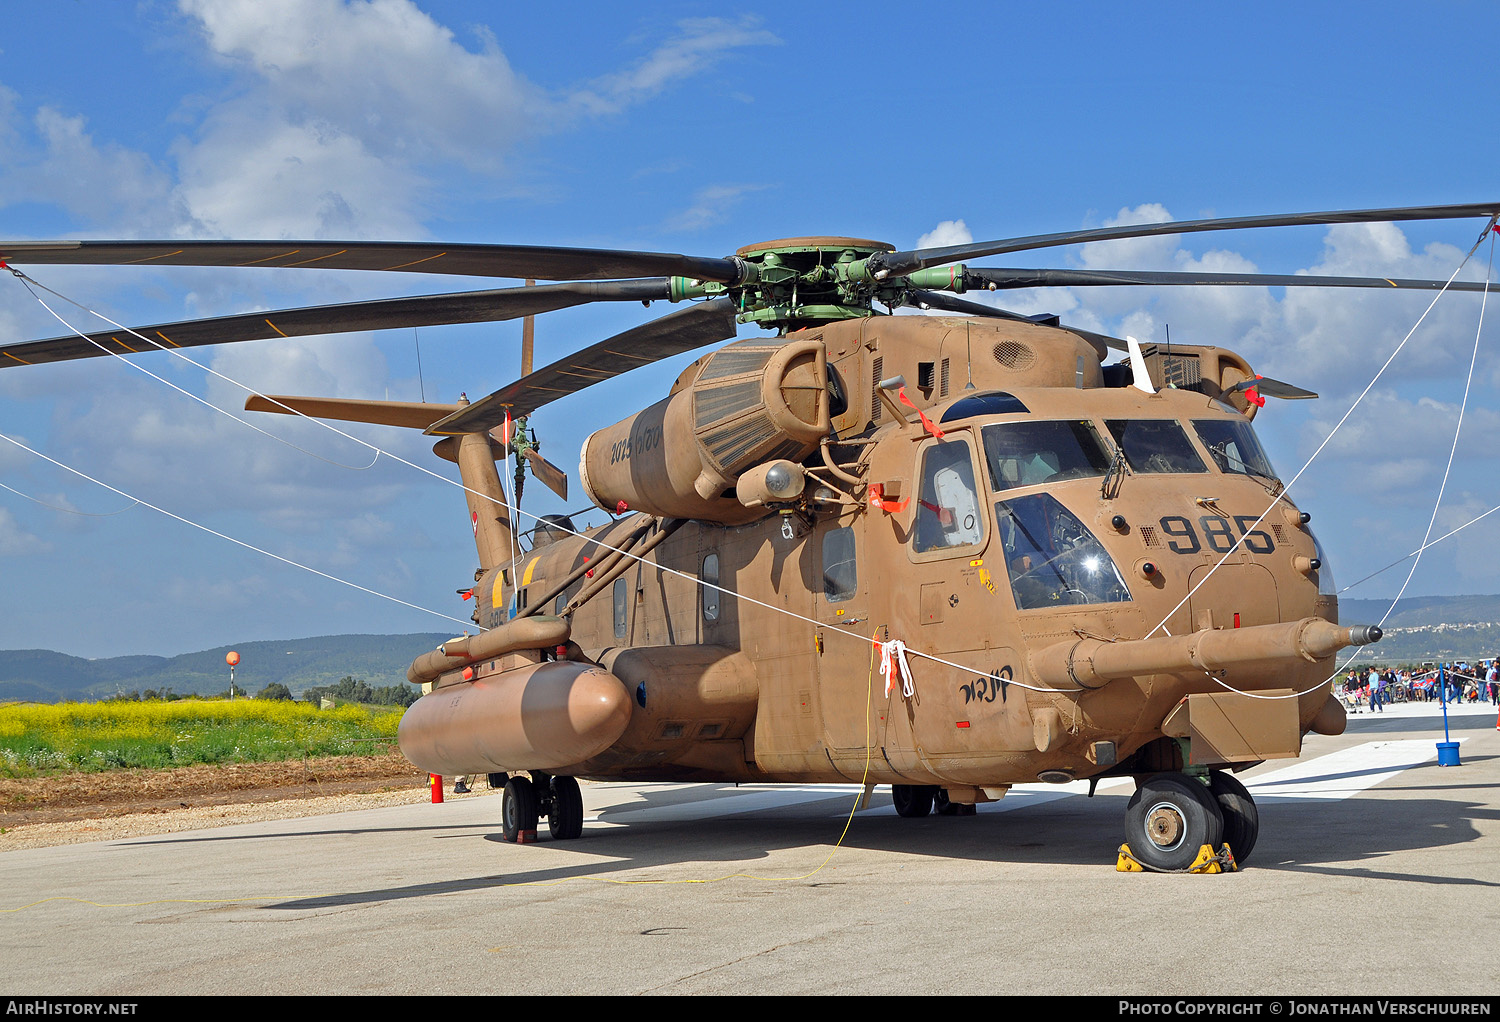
(680, 127)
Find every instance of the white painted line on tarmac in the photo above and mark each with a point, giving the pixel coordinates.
(1341, 774)
(745, 800)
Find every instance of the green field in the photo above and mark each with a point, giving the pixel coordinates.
(41, 738)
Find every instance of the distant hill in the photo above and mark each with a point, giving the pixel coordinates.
(1430, 628)
(1424, 611)
(40, 675)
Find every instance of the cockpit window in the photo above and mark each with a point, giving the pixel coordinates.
(1326, 585)
(1052, 556)
(1234, 447)
(1028, 453)
(1155, 445)
(993, 402)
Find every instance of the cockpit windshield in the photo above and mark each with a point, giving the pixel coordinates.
(1052, 557)
(1234, 447)
(1155, 445)
(1028, 453)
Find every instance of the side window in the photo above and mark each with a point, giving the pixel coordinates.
(711, 595)
(566, 597)
(840, 574)
(622, 596)
(947, 504)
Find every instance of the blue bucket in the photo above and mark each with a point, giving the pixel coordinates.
(1448, 754)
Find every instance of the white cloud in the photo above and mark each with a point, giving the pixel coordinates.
(945, 234)
(92, 181)
(698, 44)
(189, 459)
(344, 116)
(17, 542)
(1133, 253)
(711, 205)
(382, 72)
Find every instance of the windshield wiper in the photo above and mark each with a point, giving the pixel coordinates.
(1114, 477)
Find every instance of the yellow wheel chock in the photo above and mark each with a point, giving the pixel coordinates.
(1208, 861)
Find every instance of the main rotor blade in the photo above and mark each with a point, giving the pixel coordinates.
(518, 261)
(1024, 278)
(684, 330)
(899, 263)
(382, 314)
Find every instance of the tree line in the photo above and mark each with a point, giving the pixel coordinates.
(347, 689)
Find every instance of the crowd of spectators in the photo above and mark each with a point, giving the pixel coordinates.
(1374, 687)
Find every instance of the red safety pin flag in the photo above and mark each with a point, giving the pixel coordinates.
(926, 422)
(890, 507)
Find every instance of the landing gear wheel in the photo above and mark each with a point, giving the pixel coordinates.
(1241, 818)
(518, 810)
(912, 800)
(1170, 819)
(497, 781)
(565, 819)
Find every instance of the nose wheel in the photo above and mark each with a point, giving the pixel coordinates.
(1169, 819)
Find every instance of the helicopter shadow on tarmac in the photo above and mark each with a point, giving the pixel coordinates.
(1310, 836)
(1072, 837)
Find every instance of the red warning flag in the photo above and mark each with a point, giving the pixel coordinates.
(890, 507)
(1253, 395)
(926, 422)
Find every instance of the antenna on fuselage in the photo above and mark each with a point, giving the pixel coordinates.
(969, 354)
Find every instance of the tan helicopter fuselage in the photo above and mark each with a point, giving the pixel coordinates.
(962, 547)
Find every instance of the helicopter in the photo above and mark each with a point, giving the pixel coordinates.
(1065, 570)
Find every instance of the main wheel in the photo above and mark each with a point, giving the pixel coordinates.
(565, 821)
(1170, 819)
(1241, 818)
(912, 800)
(518, 809)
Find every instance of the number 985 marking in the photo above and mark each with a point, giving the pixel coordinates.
(1182, 538)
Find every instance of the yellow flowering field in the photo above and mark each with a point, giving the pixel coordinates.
(102, 736)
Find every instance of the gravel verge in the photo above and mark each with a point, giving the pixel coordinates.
(72, 808)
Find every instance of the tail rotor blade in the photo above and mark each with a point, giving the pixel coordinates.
(550, 476)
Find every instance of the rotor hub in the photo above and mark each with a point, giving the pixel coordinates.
(822, 243)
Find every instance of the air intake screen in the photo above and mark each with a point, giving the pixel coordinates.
(1014, 355)
(734, 360)
(719, 403)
